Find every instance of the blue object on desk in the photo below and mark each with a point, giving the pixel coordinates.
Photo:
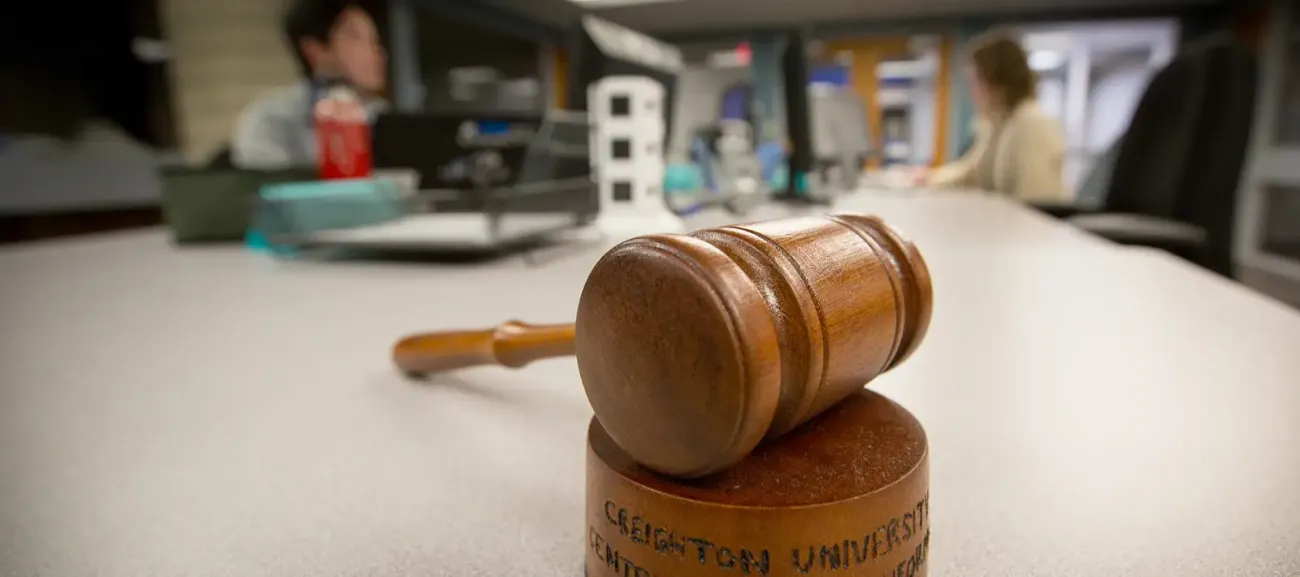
(682, 177)
(490, 128)
(702, 155)
(771, 158)
(780, 179)
(294, 211)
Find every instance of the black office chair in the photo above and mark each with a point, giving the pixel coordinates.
(1149, 162)
(1175, 178)
(1209, 201)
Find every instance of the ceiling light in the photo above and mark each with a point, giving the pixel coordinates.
(1044, 60)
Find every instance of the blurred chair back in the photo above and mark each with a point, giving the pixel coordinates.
(1152, 162)
(1208, 197)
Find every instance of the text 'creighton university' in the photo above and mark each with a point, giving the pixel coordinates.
(909, 531)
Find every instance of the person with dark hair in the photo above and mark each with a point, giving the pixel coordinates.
(336, 43)
(1017, 150)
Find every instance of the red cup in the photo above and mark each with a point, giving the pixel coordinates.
(342, 139)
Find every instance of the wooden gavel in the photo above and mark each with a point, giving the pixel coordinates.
(694, 348)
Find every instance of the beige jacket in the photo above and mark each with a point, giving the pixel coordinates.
(1030, 153)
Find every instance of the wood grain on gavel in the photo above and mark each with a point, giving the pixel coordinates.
(694, 348)
(512, 344)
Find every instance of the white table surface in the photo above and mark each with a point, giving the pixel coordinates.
(1092, 410)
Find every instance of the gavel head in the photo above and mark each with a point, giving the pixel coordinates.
(694, 348)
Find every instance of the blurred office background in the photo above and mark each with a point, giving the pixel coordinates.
(93, 112)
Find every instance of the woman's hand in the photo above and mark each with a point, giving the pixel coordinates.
(920, 175)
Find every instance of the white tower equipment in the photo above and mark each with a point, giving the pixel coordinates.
(627, 155)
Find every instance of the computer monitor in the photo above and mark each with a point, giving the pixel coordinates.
(535, 153)
(435, 145)
(794, 70)
(559, 151)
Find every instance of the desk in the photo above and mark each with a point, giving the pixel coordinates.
(1092, 411)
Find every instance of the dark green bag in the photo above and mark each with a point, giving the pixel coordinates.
(216, 205)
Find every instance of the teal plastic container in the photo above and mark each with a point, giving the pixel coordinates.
(682, 177)
(290, 212)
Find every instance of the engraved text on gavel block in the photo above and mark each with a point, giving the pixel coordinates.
(845, 494)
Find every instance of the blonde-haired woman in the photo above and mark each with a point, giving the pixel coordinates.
(1017, 151)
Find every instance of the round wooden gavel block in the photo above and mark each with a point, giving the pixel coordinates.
(845, 494)
(695, 348)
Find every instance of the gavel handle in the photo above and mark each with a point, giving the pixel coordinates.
(512, 344)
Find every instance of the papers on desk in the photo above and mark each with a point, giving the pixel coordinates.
(440, 231)
(893, 178)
